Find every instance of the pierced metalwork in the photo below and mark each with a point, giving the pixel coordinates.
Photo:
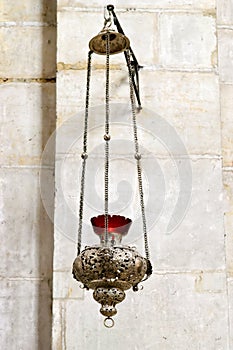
(110, 271)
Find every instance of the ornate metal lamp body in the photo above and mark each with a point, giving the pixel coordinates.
(110, 271)
(110, 268)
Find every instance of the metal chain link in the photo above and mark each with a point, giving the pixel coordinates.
(84, 155)
(106, 138)
(137, 154)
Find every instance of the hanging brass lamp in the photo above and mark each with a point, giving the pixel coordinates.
(111, 268)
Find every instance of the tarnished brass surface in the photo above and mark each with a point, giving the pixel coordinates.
(110, 271)
(118, 42)
(109, 265)
(108, 298)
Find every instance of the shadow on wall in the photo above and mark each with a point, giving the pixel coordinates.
(45, 239)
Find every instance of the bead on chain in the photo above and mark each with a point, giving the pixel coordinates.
(84, 155)
(106, 138)
(137, 154)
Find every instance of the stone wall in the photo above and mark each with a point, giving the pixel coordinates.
(185, 131)
(185, 50)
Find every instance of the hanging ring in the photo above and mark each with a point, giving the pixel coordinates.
(109, 322)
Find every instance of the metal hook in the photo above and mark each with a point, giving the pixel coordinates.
(105, 13)
(107, 18)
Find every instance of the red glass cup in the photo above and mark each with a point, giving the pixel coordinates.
(118, 226)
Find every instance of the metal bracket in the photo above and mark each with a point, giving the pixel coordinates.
(135, 67)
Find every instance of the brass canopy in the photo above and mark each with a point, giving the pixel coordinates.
(118, 42)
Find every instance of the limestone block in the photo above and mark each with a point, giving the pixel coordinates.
(227, 124)
(27, 121)
(188, 102)
(58, 324)
(28, 10)
(64, 250)
(154, 315)
(228, 191)
(230, 298)
(228, 218)
(74, 35)
(71, 90)
(134, 5)
(198, 241)
(38, 42)
(66, 225)
(187, 41)
(225, 53)
(25, 314)
(225, 12)
(65, 286)
(27, 235)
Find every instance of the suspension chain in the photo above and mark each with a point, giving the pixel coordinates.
(84, 155)
(137, 154)
(107, 139)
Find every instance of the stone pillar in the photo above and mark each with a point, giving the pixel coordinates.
(225, 47)
(27, 94)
